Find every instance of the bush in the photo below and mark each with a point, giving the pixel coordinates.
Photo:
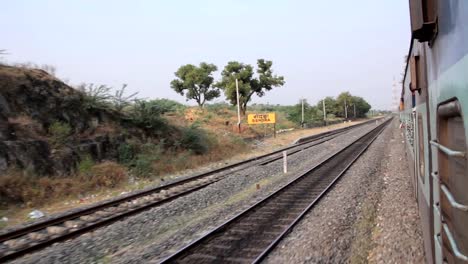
(142, 164)
(59, 133)
(167, 105)
(96, 96)
(195, 139)
(126, 153)
(85, 165)
(108, 174)
(148, 115)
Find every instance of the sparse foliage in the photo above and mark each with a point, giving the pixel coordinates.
(248, 84)
(196, 82)
(59, 133)
(96, 96)
(120, 100)
(101, 97)
(195, 139)
(147, 114)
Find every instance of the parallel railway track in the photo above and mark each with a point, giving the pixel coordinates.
(249, 236)
(44, 233)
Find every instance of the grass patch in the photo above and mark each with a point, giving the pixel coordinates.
(363, 243)
(21, 188)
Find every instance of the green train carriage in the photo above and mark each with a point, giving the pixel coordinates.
(434, 116)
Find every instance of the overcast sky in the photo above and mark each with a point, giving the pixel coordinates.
(321, 47)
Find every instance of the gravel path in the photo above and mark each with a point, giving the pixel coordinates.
(156, 233)
(398, 234)
(369, 216)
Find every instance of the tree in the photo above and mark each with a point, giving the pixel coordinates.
(311, 113)
(196, 82)
(362, 107)
(331, 106)
(248, 85)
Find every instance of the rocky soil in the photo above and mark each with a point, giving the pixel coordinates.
(154, 234)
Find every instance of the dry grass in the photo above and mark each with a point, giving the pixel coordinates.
(18, 187)
(172, 162)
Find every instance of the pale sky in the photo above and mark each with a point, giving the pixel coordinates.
(321, 47)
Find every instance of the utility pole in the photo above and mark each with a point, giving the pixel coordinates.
(238, 108)
(345, 110)
(302, 122)
(354, 111)
(324, 112)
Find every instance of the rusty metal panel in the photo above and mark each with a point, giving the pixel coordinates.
(430, 11)
(414, 73)
(416, 14)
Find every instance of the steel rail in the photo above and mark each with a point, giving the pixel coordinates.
(224, 228)
(57, 221)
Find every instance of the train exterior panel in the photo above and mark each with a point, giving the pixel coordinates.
(434, 114)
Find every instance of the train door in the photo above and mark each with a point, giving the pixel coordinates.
(451, 184)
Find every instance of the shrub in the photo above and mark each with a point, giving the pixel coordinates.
(120, 100)
(195, 139)
(59, 133)
(126, 153)
(167, 105)
(85, 165)
(108, 174)
(143, 164)
(96, 96)
(147, 115)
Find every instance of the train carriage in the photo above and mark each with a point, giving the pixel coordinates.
(434, 115)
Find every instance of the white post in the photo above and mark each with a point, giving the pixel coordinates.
(354, 111)
(345, 110)
(302, 122)
(238, 106)
(324, 112)
(285, 162)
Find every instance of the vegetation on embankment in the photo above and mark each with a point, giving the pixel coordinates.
(57, 141)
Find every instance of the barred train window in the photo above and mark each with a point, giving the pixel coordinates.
(453, 174)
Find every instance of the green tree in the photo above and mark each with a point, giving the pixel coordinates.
(311, 113)
(362, 107)
(248, 84)
(196, 82)
(331, 106)
(344, 98)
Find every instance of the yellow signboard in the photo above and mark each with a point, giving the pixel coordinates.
(269, 118)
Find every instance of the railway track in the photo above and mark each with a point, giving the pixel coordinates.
(249, 236)
(44, 233)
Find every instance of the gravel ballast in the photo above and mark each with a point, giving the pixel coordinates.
(370, 215)
(156, 233)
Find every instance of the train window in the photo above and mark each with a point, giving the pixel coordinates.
(419, 75)
(453, 174)
(414, 70)
(423, 15)
(421, 147)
